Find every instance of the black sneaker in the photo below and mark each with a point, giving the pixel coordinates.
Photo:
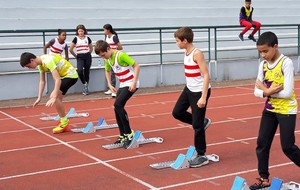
(260, 183)
(127, 139)
(199, 161)
(126, 142)
(241, 37)
(250, 37)
(207, 123)
(119, 140)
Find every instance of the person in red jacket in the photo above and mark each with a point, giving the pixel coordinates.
(246, 20)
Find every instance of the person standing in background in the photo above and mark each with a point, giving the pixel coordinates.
(83, 55)
(111, 37)
(58, 45)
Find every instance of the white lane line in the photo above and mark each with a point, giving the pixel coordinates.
(48, 171)
(83, 153)
(130, 105)
(222, 176)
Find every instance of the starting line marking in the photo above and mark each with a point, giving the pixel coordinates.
(90, 128)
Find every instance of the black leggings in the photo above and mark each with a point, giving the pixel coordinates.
(268, 126)
(84, 62)
(196, 118)
(123, 95)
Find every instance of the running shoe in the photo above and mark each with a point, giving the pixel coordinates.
(108, 92)
(241, 37)
(127, 139)
(62, 127)
(250, 37)
(260, 183)
(199, 161)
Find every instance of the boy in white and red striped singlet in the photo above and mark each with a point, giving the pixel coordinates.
(127, 71)
(195, 94)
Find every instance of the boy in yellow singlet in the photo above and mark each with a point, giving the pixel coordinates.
(275, 81)
(64, 76)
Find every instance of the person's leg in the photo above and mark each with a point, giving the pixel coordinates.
(80, 65)
(287, 125)
(87, 67)
(198, 115)
(64, 121)
(180, 109)
(59, 106)
(256, 28)
(86, 72)
(247, 25)
(113, 82)
(113, 78)
(267, 130)
(123, 95)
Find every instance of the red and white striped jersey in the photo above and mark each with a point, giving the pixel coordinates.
(193, 75)
(110, 41)
(82, 45)
(124, 74)
(56, 47)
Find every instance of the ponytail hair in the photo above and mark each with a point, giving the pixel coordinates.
(110, 28)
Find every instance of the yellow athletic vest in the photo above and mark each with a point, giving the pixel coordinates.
(275, 77)
(248, 11)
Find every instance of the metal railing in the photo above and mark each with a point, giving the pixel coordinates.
(150, 46)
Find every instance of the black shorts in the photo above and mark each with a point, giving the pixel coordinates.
(66, 83)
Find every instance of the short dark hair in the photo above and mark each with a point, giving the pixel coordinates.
(101, 46)
(267, 38)
(59, 31)
(25, 58)
(184, 33)
(248, 1)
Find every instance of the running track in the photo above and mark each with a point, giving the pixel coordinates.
(31, 157)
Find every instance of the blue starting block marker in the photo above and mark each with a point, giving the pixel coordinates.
(137, 140)
(181, 162)
(276, 184)
(239, 183)
(90, 128)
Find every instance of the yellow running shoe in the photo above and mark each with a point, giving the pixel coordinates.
(62, 127)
